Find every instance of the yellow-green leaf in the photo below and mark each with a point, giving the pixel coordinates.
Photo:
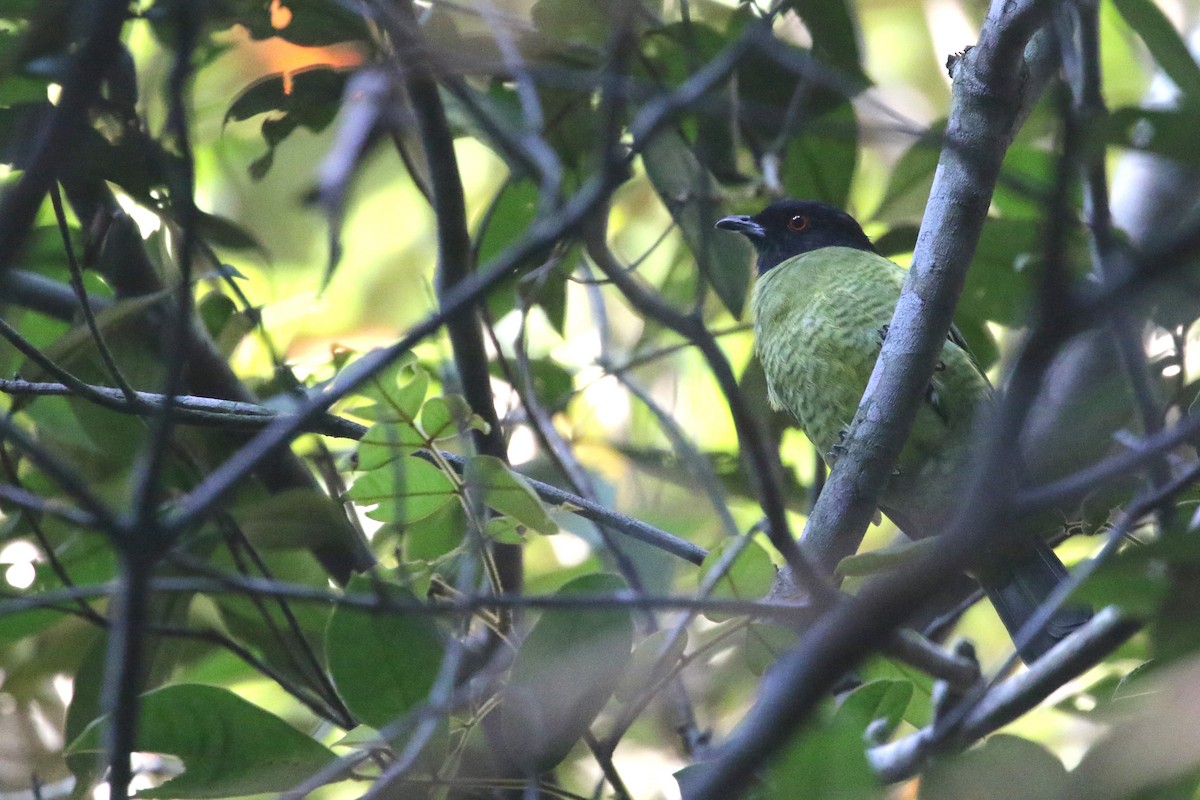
(409, 489)
(508, 493)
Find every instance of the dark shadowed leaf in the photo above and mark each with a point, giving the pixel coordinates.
(1170, 133)
(832, 27)
(296, 518)
(819, 165)
(563, 675)
(690, 194)
(309, 99)
(310, 23)
(908, 187)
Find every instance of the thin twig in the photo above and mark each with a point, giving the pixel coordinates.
(85, 305)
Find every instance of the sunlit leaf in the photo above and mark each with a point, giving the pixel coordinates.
(397, 392)
(1164, 43)
(505, 530)
(406, 490)
(227, 745)
(384, 442)
(508, 493)
(448, 416)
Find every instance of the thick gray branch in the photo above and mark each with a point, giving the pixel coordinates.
(988, 98)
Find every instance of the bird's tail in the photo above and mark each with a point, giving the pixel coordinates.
(1019, 584)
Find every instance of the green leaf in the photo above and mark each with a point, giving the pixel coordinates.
(505, 530)
(407, 490)
(1003, 767)
(507, 218)
(820, 164)
(919, 711)
(765, 643)
(834, 34)
(1170, 133)
(225, 232)
(296, 518)
(385, 442)
(507, 492)
(383, 663)
(650, 663)
(998, 284)
(1134, 579)
(1164, 44)
(445, 417)
(828, 760)
(310, 23)
(397, 392)
(552, 383)
(884, 558)
(228, 746)
(669, 55)
(749, 577)
(690, 193)
(908, 187)
(563, 675)
(434, 536)
(309, 98)
(885, 700)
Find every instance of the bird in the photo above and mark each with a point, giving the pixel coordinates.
(822, 302)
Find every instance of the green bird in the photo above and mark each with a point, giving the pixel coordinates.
(822, 303)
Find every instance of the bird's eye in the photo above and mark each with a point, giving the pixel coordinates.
(798, 223)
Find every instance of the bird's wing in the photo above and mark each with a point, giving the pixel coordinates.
(955, 335)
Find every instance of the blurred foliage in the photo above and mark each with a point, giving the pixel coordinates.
(301, 174)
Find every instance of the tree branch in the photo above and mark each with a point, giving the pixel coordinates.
(988, 98)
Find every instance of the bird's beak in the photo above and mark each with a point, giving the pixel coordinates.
(743, 225)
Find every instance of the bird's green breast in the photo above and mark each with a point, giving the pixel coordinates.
(818, 325)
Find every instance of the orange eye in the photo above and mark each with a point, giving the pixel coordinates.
(798, 223)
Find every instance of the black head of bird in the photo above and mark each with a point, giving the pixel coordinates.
(787, 228)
